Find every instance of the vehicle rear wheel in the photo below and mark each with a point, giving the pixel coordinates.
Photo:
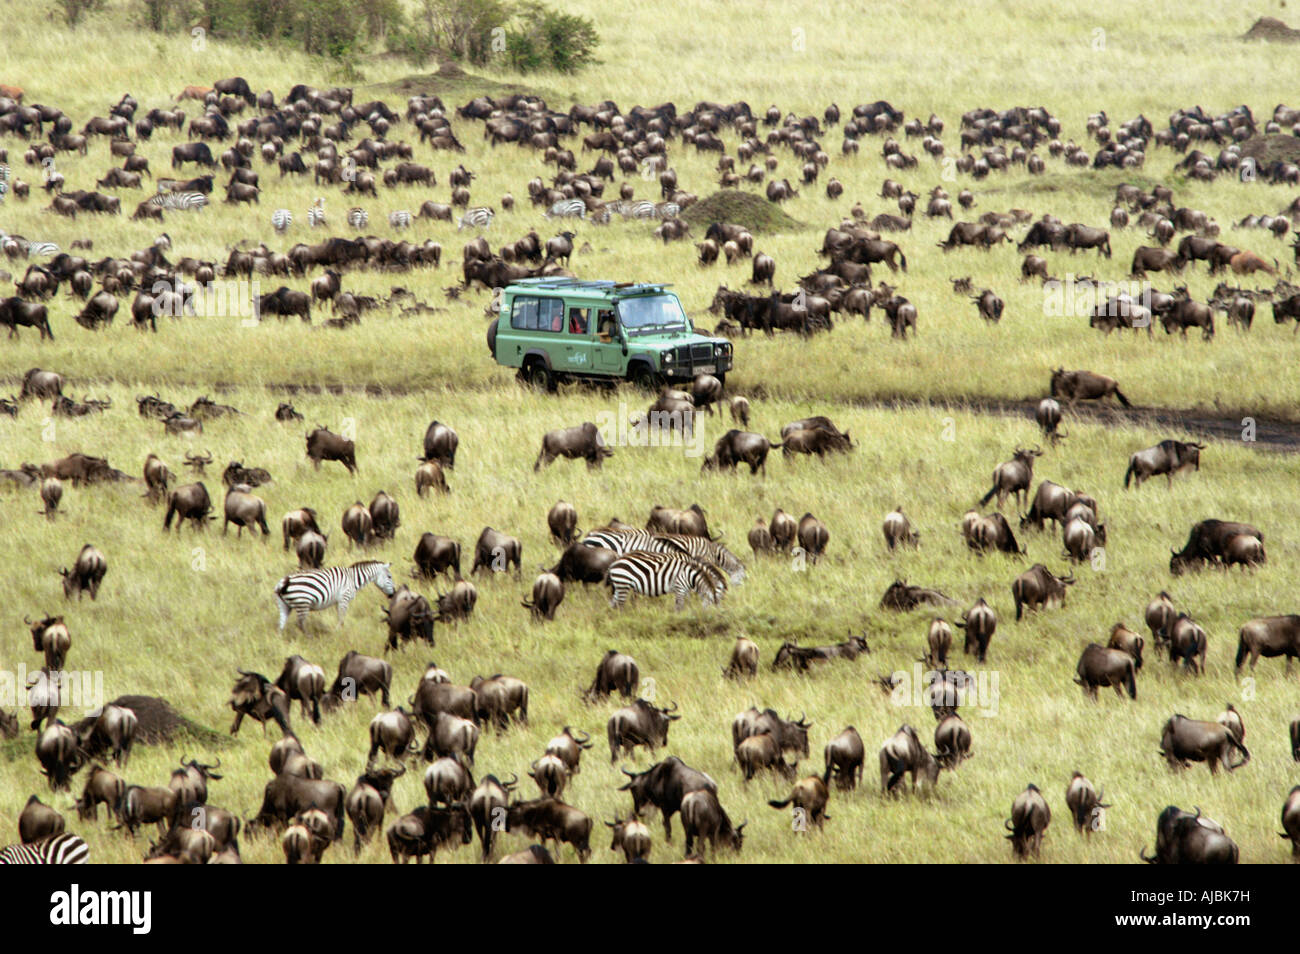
(645, 378)
(538, 377)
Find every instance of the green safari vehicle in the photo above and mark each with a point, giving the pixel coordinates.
(558, 329)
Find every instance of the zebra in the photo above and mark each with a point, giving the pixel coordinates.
(706, 551)
(642, 209)
(401, 219)
(476, 218)
(281, 219)
(358, 217)
(316, 214)
(658, 574)
(697, 548)
(62, 849)
(568, 209)
(178, 200)
(667, 210)
(333, 586)
(42, 248)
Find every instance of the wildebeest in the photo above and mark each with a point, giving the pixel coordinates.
(1184, 740)
(703, 818)
(305, 682)
(109, 731)
(616, 672)
(1269, 636)
(50, 637)
(903, 753)
(952, 740)
(1187, 642)
(809, 797)
(548, 593)
(498, 699)
(903, 596)
(800, 658)
(1291, 820)
(1085, 803)
(1207, 543)
(87, 573)
(631, 837)
(1085, 386)
(1186, 839)
(562, 520)
(898, 530)
(641, 723)
(102, 787)
(744, 659)
(584, 441)
(440, 444)
(1101, 666)
(487, 805)
(1029, 819)
(59, 754)
(255, 696)
(551, 820)
(496, 551)
(813, 537)
(568, 748)
(323, 444)
(1013, 477)
(1121, 637)
(435, 555)
(1039, 588)
(980, 622)
(426, 829)
(367, 800)
(991, 532)
(359, 675)
(358, 525)
(844, 757)
(1169, 457)
(736, 447)
(244, 509)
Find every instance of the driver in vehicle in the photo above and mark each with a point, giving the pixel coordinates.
(577, 321)
(607, 326)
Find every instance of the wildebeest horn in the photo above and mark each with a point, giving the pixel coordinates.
(514, 780)
(586, 737)
(627, 773)
(673, 707)
(1141, 854)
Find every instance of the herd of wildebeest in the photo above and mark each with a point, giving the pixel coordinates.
(347, 146)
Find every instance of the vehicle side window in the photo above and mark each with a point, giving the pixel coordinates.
(537, 314)
(578, 321)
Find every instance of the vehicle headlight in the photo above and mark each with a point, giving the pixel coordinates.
(668, 357)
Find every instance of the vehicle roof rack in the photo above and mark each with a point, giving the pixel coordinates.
(577, 284)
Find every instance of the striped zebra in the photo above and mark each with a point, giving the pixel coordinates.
(568, 209)
(281, 219)
(358, 217)
(183, 201)
(62, 849)
(640, 209)
(697, 548)
(706, 551)
(667, 210)
(333, 586)
(42, 248)
(658, 574)
(401, 219)
(477, 218)
(316, 214)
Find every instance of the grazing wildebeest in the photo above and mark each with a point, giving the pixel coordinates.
(1039, 588)
(323, 444)
(736, 447)
(1084, 386)
(495, 552)
(1184, 740)
(616, 672)
(1085, 803)
(1169, 457)
(903, 753)
(898, 530)
(980, 622)
(1186, 839)
(1029, 819)
(584, 441)
(1100, 666)
(1207, 543)
(641, 723)
(704, 818)
(1013, 477)
(1269, 636)
(87, 573)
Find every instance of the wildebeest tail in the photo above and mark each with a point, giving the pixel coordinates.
(902, 260)
(1122, 399)
(989, 496)
(1132, 469)
(1242, 650)
(775, 804)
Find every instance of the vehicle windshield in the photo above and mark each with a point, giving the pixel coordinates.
(651, 313)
